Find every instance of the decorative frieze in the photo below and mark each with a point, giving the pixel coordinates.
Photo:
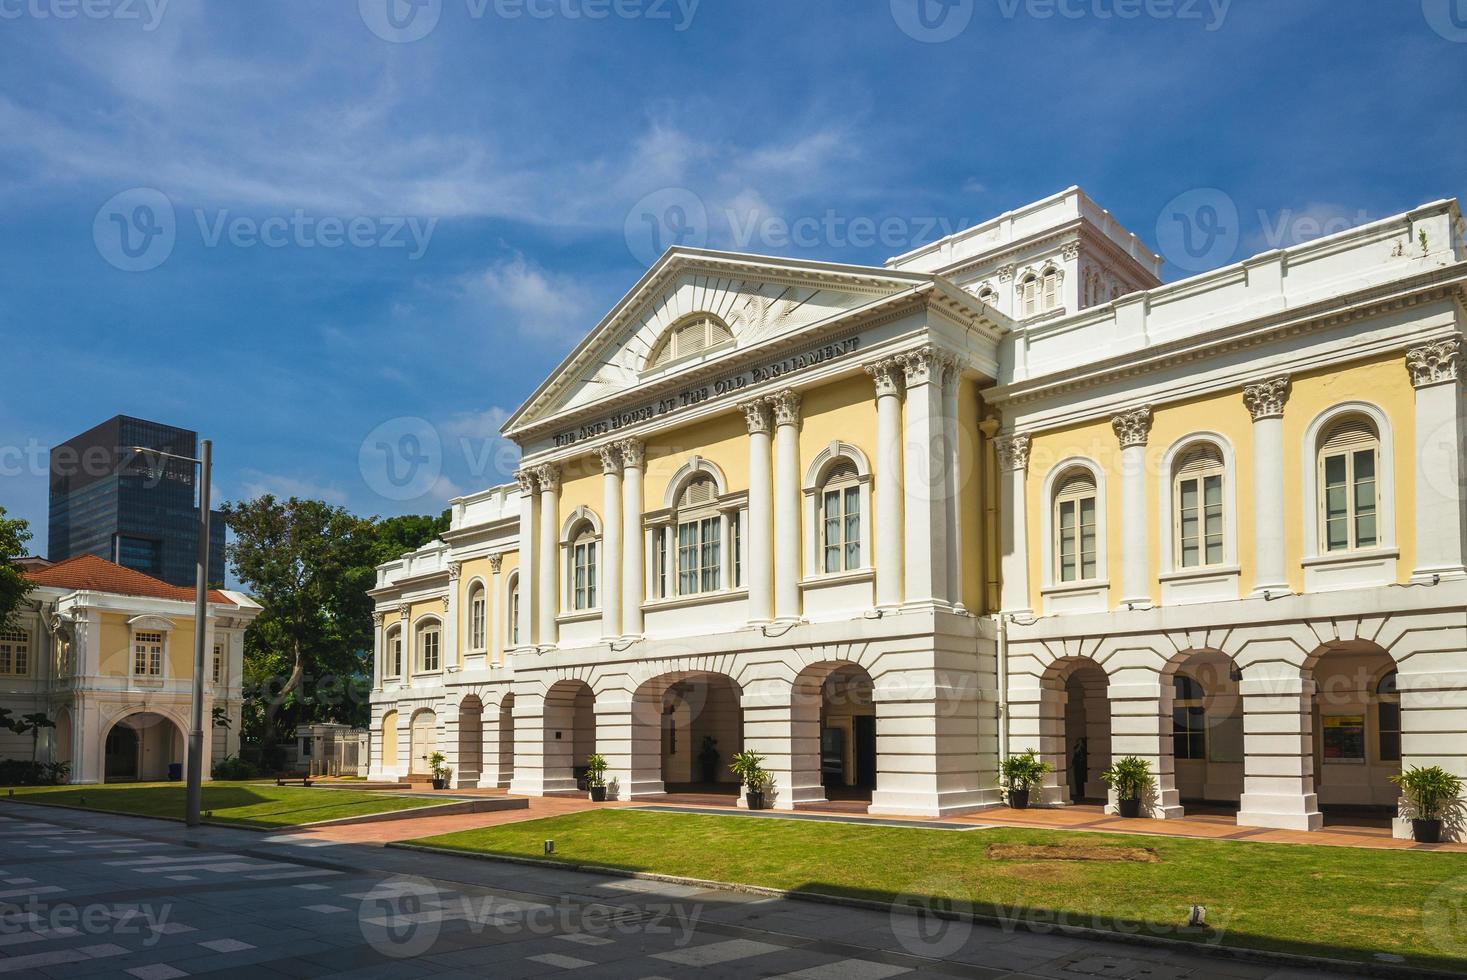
(1071, 251)
(1265, 400)
(1134, 427)
(886, 375)
(786, 405)
(1006, 272)
(756, 415)
(1435, 363)
(1013, 451)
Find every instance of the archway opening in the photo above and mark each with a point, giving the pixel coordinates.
(505, 750)
(834, 722)
(143, 747)
(570, 735)
(423, 742)
(1357, 731)
(1086, 751)
(388, 747)
(1207, 731)
(470, 742)
(699, 721)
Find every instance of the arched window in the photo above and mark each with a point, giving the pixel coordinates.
(840, 519)
(1388, 718)
(583, 566)
(696, 334)
(15, 652)
(1075, 514)
(1029, 295)
(699, 537)
(1050, 296)
(429, 646)
(512, 621)
(478, 616)
(988, 296)
(1349, 488)
(393, 667)
(1197, 508)
(1189, 718)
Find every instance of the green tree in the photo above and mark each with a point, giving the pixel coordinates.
(309, 565)
(395, 536)
(14, 586)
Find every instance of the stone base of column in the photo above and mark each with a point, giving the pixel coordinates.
(465, 780)
(1280, 812)
(922, 804)
(1166, 806)
(643, 787)
(1274, 590)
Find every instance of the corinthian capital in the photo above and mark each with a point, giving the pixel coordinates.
(496, 563)
(1435, 363)
(633, 453)
(455, 570)
(1265, 400)
(756, 415)
(548, 476)
(526, 480)
(1013, 451)
(610, 457)
(925, 365)
(786, 405)
(1133, 427)
(887, 376)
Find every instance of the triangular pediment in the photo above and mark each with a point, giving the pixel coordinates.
(757, 298)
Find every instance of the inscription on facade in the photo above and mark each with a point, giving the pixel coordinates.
(723, 387)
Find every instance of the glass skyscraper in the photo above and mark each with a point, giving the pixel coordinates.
(135, 509)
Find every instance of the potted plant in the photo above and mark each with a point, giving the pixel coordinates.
(1130, 777)
(708, 758)
(1020, 774)
(441, 772)
(749, 767)
(596, 776)
(1430, 792)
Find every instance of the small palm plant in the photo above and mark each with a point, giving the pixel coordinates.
(1131, 779)
(1431, 792)
(1020, 774)
(438, 762)
(749, 767)
(596, 766)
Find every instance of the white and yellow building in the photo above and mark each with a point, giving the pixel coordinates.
(885, 525)
(107, 653)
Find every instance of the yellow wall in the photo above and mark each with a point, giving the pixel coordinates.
(116, 646)
(723, 441)
(1381, 381)
(843, 410)
(581, 485)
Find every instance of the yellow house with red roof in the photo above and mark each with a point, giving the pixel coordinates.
(107, 653)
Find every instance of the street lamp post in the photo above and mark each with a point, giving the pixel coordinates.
(194, 762)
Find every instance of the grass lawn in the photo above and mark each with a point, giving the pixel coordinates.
(1343, 903)
(246, 804)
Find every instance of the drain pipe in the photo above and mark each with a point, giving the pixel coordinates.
(1003, 687)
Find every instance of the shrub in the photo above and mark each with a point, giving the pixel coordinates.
(233, 767)
(749, 767)
(1130, 777)
(1023, 772)
(1431, 791)
(22, 772)
(596, 770)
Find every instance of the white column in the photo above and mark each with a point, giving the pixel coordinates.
(611, 542)
(951, 382)
(758, 570)
(1265, 402)
(379, 666)
(786, 405)
(548, 578)
(1132, 429)
(889, 529)
(1440, 544)
(527, 545)
(926, 473)
(633, 581)
(1141, 725)
(1278, 745)
(1013, 464)
(405, 612)
(451, 654)
(496, 626)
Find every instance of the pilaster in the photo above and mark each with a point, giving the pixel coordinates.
(1132, 429)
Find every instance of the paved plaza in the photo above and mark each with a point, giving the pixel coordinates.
(89, 894)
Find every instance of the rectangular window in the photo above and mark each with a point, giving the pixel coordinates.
(15, 653)
(1077, 540)
(429, 639)
(584, 575)
(1189, 733)
(397, 655)
(148, 654)
(1200, 520)
(218, 662)
(1350, 501)
(476, 621)
(1389, 717)
(699, 555)
(514, 616)
(841, 524)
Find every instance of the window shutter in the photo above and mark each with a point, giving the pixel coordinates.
(841, 471)
(1352, 433)
(1080, 482)
(1199, 460)
(691, 338)
(700, 491)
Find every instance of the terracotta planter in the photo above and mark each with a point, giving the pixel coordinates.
(1019, 799)
(598, 794)
(1130, 808)
(1426, 831)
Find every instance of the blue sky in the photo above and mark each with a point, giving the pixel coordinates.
(366, 229)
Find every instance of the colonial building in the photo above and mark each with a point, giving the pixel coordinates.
(107, 653)
(886, 525)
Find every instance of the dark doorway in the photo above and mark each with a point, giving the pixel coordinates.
(122, 754)
(832, 757)
(865, 747)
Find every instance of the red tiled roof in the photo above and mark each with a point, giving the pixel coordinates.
(100, 575)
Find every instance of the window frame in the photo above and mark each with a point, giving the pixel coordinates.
(823, 476)
(1090, 594)
(1075, 498)
(1213, 469)
(1350, 455)
(1219, 579)
(422, 630)
(18, 644)
(157, 652)
(667, 349)
(1193, 732)
(392, 652)
(1318, 561)
(512, 605)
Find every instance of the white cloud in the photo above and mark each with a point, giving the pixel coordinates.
(255, 483)
(534, 302)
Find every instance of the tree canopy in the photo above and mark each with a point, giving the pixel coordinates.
(14, 586)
